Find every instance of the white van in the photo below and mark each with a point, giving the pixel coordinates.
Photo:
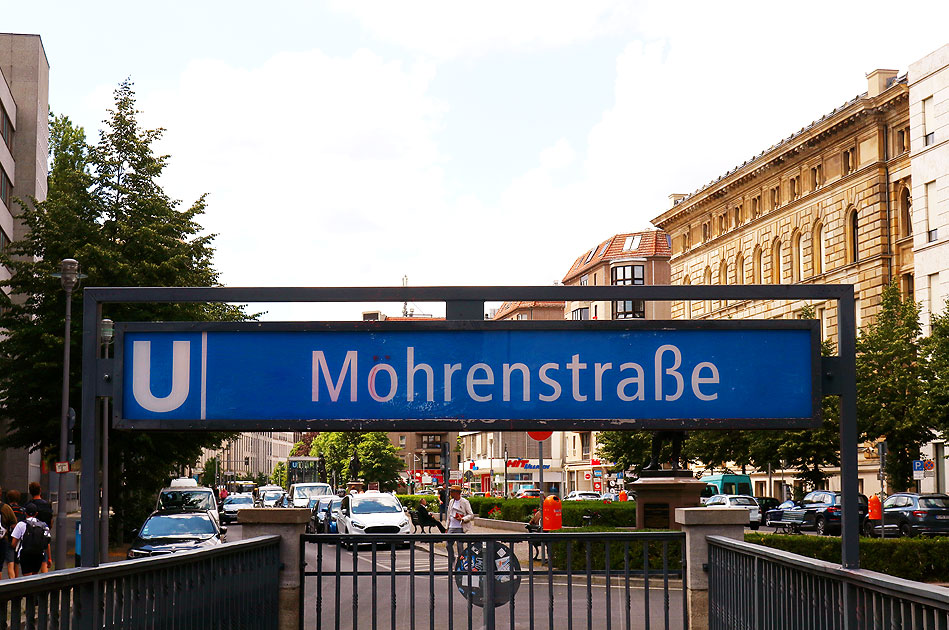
(184, 482)
(300, 493)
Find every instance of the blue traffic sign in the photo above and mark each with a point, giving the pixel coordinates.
(173, 373)
(918, 465)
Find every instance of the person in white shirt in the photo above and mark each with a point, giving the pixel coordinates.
(32, 561)
(460, 513)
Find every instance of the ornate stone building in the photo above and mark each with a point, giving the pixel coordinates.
(827, 205)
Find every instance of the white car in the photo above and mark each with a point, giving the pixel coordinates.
(372, 513)
(740, 502)
(301, 493)
(233, 504)
(583, 495)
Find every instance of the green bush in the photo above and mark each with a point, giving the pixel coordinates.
(616, 514)
(618, 551)
(919, 559)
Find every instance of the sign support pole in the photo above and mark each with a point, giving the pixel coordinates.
(540, 462)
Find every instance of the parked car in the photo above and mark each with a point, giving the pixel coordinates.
(372, 513)
(272, 498)
(530, 493)
(776, 514)
(188, 497)
(911, 514)
(582, 495)
(609, 497)
(822, 511)
(170, 531)
(232, 504)
(738, 501)
(323, 519)
(300, 493)
(765, 504)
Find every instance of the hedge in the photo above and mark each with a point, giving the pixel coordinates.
(918, 559)
(616, 514)
(558, 554)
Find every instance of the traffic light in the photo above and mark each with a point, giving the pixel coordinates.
(247, 461)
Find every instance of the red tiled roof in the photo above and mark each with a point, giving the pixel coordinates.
(652, 244)
(509, 307)
(415, 319)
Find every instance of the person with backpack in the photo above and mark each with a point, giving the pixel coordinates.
(31, 538)
(7, 523)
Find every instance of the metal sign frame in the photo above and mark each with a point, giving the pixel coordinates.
(460, 422)
(467, 304)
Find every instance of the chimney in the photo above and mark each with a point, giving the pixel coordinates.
(879, 80)
(674, 198)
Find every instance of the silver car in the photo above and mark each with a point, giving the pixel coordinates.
(739, 502)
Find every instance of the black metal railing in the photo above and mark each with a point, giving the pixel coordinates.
(545, 580)
(232, 586)
(751, 586)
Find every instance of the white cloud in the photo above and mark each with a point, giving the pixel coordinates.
(447, 30)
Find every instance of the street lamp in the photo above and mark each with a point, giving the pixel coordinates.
(69, 276)
(505, 472)
(106, 332)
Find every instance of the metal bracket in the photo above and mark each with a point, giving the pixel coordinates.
(830, 376)
(104, 370)
(464, 309)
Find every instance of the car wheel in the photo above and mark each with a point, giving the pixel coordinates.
(754, 526)
(821, 526)
(767, 522)
(906, 530)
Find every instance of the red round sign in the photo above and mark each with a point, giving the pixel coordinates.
(540, 436)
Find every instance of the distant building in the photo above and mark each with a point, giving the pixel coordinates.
(251, 454)
(24, 149)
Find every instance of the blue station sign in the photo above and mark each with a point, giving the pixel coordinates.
(498, 375)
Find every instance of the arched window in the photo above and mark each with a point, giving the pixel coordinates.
(740, 269)
(906, 212)
(797, 257)
(776, 262)
(756, 266)
(817, 248)
(853, 235)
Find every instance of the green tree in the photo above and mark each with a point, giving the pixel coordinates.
(301, 448)
(209, 476)
(279, 475)
(379, 460)
(893, 378)
(936, 350)
(105, 208)
(337, 447)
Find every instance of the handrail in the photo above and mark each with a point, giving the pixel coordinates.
(879, 581)
(68, 578)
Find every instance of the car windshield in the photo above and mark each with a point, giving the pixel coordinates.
(336, 503)
(934, 502)
(375, 505)
(186, 499)
(742, 501)
(270, 496)
(311, 491)
(177, 526)
(241, 500)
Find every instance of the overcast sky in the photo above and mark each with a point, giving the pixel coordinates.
(480, 143)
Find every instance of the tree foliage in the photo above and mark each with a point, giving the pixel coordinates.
(301, 448)
(279, 475)
(935, 348)
(209, 476)
(378, 457)
(106, 208)
(893, 378)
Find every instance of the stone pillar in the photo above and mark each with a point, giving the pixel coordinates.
(288, 523)
(660, 494)
(697, 523)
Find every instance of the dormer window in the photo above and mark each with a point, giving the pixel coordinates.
(590, 256)
(632, 242)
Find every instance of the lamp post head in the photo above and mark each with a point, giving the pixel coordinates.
(107, 330)
(68, 274)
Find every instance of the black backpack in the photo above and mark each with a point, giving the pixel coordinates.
(44, 511)
(35, 539)
(18, 512)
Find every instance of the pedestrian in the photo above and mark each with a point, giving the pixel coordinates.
(460, 516)
(44, 510)
(425, 519)
(13, 498)
(31, 539)
(7, 556)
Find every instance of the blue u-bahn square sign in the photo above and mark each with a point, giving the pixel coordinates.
(467, 375)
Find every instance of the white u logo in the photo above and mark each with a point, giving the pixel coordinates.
(142, 376)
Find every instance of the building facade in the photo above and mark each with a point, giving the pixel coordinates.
(250, 454)
(24, 148)
(822, 206)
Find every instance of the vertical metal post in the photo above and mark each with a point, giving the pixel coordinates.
(104, 516)
(63, 440)
(91, 314)
(540, 466)
(850, 523)
(487, 560)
